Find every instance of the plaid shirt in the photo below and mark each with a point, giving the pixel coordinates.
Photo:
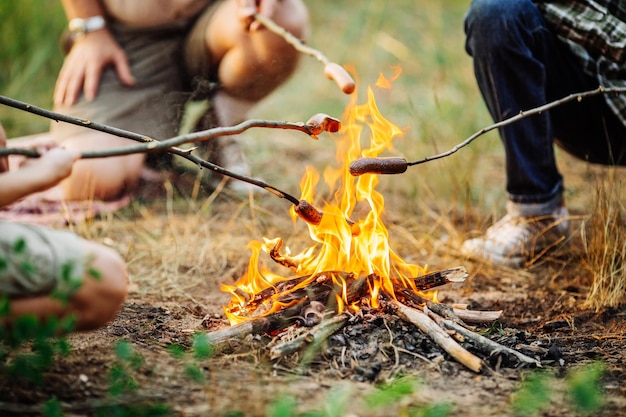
(595, 31)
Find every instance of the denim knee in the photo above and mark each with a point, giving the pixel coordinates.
(490, 25)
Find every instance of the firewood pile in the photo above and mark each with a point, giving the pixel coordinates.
(302, 319)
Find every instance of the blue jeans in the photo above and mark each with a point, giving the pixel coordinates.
(520, 64)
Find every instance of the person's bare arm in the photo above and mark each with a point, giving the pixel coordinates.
(89, 55)
(36, 174)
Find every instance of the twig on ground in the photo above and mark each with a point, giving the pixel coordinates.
(438, 335)
(487, 345)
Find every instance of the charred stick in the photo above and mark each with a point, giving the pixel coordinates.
(219, 339)
(332, 70)
(438, 335)
(439, 278)
(319, 287)
(311, 338)
(476, 316)
(280, 259)
(398, 165)
(487, 345)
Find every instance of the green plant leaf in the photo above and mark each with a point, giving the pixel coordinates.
(177, 351)
(201, 346)
(584, 387)
(533, 395)
(19, 247)
(284, 406)
(194, 373)
(52, 408)
(392, 393)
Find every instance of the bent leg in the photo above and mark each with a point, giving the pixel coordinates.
(251, 64)
(101, 178)
(520, 64)
(58, 260)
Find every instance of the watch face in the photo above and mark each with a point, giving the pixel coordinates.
(77, 26)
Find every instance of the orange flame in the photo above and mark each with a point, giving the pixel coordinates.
(360, 249)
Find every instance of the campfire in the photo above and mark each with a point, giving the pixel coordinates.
(351, 267)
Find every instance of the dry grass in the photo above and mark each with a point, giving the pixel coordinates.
(605, 245)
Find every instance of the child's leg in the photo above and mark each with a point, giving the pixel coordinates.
(100, 271)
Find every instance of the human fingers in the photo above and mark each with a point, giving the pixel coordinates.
(59, 161)
(123, 69)
(69, 82)
(246, 10)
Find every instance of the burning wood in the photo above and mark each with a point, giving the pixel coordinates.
(350, 272)
(319, 322)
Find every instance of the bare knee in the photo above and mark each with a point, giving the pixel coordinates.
(104, 288)
(251, 64)
(101, 178)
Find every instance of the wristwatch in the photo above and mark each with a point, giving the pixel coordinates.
(80, 27)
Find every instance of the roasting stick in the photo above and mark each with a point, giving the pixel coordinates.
(332, 70)
(399, 165)
(315, 125)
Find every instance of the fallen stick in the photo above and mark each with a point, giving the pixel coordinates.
(439, 278)
(222, 337)
(477, 316)
(487, 345)
(312, 337)
(438, 335)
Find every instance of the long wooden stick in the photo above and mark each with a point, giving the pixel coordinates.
(438, 335)
(399, 165)
(332, 70)
(314, 126)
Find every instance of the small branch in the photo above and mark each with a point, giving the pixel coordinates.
(332, 70)
(439, 278)
(312, 337)
(476, 316)
(399, 165)
(438, 335)
(523, 115)
(488, 346)
(219, 339)
(316, 125)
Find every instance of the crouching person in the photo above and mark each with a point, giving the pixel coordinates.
(54, 273)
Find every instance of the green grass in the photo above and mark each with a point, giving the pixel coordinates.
(30, 58)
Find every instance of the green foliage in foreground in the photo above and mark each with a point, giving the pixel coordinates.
(396, 394)
(582, 390)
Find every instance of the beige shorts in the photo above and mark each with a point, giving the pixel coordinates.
(165, 61)
(36, 260)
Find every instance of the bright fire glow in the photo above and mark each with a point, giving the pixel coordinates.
(358, 249)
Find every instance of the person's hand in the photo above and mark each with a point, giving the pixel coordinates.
(53, 165)
(247, 9)
(84, 64)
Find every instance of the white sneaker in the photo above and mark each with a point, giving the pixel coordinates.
(515, 239)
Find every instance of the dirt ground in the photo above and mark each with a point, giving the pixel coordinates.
(179, 255)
